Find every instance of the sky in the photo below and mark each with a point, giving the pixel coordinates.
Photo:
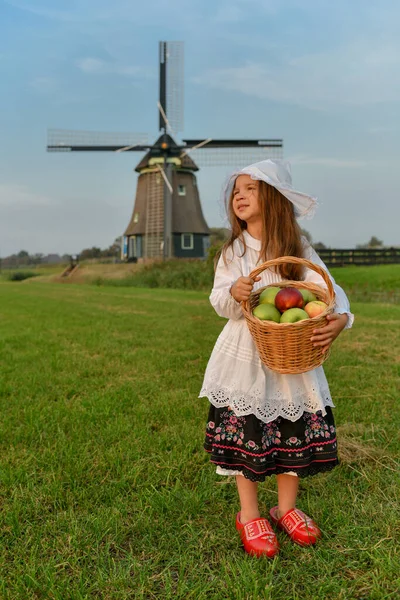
(323, 76)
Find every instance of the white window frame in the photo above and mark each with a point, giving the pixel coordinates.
(133, 245)
(191, 245)
(181, 189)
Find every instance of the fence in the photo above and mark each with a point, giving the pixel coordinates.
(360, 256)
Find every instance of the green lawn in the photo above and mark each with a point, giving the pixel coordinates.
(365, 284)
(35, 270)
(106, 491)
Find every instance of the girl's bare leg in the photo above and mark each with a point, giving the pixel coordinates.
(288, 486)
(248, 499)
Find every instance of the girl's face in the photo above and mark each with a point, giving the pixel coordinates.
(245, 200)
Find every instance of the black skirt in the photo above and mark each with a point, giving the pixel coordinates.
(306, 447)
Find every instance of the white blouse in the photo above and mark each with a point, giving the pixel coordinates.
(235, 375)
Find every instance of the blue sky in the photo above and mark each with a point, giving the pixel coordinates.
(323, 76)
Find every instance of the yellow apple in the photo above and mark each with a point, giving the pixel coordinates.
(315, 308)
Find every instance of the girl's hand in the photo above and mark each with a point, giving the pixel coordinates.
(324, 336)
(242, 287)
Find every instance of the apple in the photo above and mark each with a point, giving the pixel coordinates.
(315, 308)
(292, 315)
(308, 296)
(288, 297)
(267, 296)
(267, 312)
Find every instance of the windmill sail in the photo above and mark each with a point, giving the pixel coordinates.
(171, 87)
(167, 218)
(69, 140)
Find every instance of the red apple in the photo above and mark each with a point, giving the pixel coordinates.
(315, 308)
(288, 297)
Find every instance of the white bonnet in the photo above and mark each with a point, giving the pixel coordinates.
(278, 174)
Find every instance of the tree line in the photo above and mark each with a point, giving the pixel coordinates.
(218, 235)
(23, 258)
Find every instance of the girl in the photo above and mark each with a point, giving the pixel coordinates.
(260, 422)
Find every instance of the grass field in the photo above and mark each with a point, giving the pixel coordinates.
(106, 491)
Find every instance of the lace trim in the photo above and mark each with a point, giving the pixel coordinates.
(267, 409)
(308, 472)
(232, 473)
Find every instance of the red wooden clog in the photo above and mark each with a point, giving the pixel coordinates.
(258, 537)
(300, 528)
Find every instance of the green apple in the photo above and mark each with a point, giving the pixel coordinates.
(308, 296)
(267, 312)
(268, 295)
(292, 315)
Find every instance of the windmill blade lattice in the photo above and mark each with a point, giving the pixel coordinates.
(236, 157)
(171, 85)
(65, 140)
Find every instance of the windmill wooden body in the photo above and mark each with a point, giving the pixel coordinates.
(189, 233)
(167, 219)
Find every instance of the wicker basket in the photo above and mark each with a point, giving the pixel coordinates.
(286, 347)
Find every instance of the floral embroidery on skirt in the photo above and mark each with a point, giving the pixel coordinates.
(307, 446)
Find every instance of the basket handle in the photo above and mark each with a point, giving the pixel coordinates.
(298, 261)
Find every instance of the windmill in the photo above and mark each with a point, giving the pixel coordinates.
(167, 218)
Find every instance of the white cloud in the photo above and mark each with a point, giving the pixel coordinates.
(228, 14)
(327, 162)
(248, 8)
(44, 85)
(102, 67)
(91, 65)
(357, 74)
(378, 130)
(18, 197)
(106, 12)
(42, 11)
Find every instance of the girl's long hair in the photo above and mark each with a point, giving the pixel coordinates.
(281, 232)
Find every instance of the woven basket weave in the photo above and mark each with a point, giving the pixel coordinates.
(286, 347)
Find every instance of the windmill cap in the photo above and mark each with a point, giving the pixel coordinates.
(278, 174)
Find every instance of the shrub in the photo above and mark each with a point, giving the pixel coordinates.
(19, 275)
(175, 273)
